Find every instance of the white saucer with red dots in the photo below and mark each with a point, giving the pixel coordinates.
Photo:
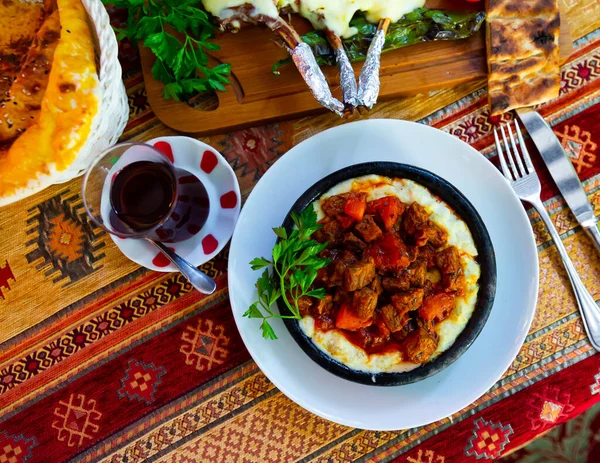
(221, 184)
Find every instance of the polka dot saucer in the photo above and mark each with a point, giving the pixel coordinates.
(221, 184)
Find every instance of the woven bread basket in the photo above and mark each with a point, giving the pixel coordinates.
(113, 111)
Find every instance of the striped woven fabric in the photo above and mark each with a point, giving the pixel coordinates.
(101, 360)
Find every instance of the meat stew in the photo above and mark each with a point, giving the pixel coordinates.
(379, 292)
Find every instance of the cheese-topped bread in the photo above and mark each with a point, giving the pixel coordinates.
(51, 144)
(523, 53)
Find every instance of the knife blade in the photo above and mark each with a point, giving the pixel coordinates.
(562, 171)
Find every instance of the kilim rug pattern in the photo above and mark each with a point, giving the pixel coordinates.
(101, 360)
(577, 441)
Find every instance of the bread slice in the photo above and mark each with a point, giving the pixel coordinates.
(68, 109)
(19, 22)
(523, 53)
(24, 98)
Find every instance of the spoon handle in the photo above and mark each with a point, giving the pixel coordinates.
(197, 278)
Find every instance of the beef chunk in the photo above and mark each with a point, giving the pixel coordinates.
(437, 307)
(396, 284)
(428, 288)
(392, 318)
(353, 242)
(448, 260)
(412, 277)
(420, 345)
(331, 232)
(417, 273)
(454, 282)
(340, 264)
(359, 275)
(368, 229)
(408, 328)
(334, 206)
(364, 303)
(415, 219)
(324, 306)
(408, 301)
(428, 253)
(412, 252)
(304, 304)
(379, 331)
(416, 223)
(376, 285)
(435, 234)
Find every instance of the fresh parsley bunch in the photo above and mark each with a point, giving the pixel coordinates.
(293, 270)
(178, 33)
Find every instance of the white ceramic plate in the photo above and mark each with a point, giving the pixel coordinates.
(221, 184)
(392, 408)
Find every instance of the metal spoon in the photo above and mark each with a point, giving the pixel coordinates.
(199, 280)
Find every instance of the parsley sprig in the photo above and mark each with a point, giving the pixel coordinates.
(291, 272)
(178, 33)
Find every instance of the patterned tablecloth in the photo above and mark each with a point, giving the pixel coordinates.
(101, 360)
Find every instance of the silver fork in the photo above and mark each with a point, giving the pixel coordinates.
(524, 180)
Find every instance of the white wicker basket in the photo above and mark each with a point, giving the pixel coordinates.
(113, 113)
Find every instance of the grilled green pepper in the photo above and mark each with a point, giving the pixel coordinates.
(421, 25)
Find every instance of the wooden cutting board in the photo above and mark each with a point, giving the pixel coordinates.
(256, 96)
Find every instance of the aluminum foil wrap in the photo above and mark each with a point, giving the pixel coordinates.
(315, 79)
(347, 79)
(368, 82)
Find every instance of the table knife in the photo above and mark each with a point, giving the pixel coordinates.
(562, 171)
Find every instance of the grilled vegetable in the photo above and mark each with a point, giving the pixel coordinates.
(422, 25)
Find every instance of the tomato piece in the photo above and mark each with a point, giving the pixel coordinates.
(389, 252)
(437, 307)
(348, 319)
(374, 206)
(355, 206)
(388, 209)
(390, 213)
(345, 221)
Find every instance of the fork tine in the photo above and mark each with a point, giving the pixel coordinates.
(503, 164)
(516, 151)
(509, 154)
(526, 157)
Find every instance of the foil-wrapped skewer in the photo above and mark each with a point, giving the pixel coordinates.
(301, 54)
(347, 77)
(307, 65)
(369, 82)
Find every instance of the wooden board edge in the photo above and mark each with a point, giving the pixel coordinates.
(199, 123)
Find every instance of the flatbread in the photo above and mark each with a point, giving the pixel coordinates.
(19, 21)
(523, 53)
(51, 144)
(24, 99)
